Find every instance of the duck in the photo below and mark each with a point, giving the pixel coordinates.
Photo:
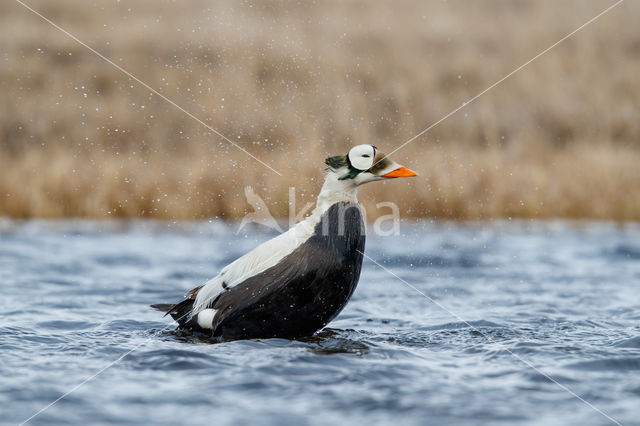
(296, 283)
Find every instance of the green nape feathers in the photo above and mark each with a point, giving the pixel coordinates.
(340, 161)
(337, 162)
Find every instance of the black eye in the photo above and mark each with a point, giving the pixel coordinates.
(366, 155)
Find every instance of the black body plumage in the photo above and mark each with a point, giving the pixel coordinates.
(297, 296)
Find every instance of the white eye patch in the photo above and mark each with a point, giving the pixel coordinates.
(361, 156)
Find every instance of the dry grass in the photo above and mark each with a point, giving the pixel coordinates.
(293, 83)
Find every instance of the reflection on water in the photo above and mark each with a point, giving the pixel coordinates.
(562, 296)
(326, 341)
(330, 341)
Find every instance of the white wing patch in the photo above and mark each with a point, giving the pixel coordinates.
(257, 260)
(205, 318)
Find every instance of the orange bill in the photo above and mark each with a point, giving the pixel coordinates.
(400, 172)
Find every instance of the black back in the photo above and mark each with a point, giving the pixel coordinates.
(305, 290)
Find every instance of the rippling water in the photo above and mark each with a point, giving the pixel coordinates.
(500, 299)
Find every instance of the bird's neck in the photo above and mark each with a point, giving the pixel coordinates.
(335, 191)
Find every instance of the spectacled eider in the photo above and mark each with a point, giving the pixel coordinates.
(294, 284)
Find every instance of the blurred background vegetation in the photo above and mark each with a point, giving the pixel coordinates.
(294, 82)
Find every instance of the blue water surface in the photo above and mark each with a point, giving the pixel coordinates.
(517, 323)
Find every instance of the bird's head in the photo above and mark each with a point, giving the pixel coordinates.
(364, 163)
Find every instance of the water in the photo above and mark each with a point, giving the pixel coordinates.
(563, 297)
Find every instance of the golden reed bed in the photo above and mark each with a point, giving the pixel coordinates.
(293, 83)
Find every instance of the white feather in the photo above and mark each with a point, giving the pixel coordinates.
(205, 318)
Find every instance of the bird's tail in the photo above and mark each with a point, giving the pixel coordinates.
(180, 312)
(163, 307)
